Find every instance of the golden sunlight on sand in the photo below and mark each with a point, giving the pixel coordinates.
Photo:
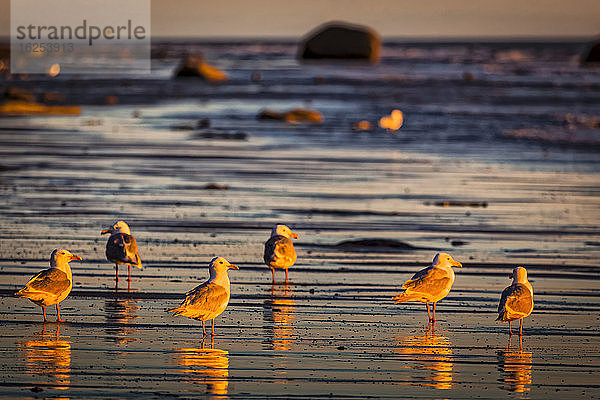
(429, 353)
(205, 365)
(49, 357)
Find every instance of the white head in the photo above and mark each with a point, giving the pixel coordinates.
(283, 230)
(220, 264)
(118, 227)
(519, 275)
(218, 268)
(61, 257)
(445, 260)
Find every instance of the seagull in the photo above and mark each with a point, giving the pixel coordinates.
(210, 299)
(517, 300)
(430, 284)
(52, 285)
(279, 250)
(121, 248)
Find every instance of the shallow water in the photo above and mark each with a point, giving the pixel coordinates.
(449, 180)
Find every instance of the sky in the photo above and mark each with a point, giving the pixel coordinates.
(391, 18)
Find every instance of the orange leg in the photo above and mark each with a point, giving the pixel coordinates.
(129, 271)
(510, 328)
(433, 319)
(286, 280)
(117, 272)
(273, 272)
(428, 312)
(203, 328)
(58, 314)
(521, 327)
(44, 311)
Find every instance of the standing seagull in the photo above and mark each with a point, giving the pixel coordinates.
(279, 250)
(517, 300)
(121, 248)
(430, 284)
(210, 299)
(52, 285)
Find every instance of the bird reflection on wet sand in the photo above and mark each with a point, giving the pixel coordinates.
(120, 314)
(49, 357)
(279, 318)
(430, 353)
(515, 368)
(205, 365)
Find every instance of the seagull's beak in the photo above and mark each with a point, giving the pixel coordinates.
(233, 266)
(293, 235)
(76, 257)
(456, 264)
(510, 276)
(105, 231)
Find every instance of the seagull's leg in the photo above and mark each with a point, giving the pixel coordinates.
(428, 312)
(44, 311)
(129, 270)
(203, 328)
(521, 327)
(433, 312)
(58, 314)
(509, 328)
(286, 280)
(273, 272)
(117, 272)
(520, 343)
(213, 327)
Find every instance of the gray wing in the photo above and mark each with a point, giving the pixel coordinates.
(122, 248)
(52, 281)
(279, 252)
(505, 293)
(516, 299)
(202, 301)
(429, 280)
(208, 297)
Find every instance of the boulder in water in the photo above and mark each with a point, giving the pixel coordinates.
(341, 41)
(592, 54)
(195, 66)
(293, 116)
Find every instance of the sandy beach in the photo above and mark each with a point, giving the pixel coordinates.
(450, 180)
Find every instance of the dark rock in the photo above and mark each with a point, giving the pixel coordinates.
(215, 186)
(13, 93)
(377, 244)
(451, 203)
(294, 116)
(195, 66)
(203, 123)
(219, 135)
(267, 114)
(341, 41)
(592, 54)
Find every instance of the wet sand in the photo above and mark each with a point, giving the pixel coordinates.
(334, 332)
